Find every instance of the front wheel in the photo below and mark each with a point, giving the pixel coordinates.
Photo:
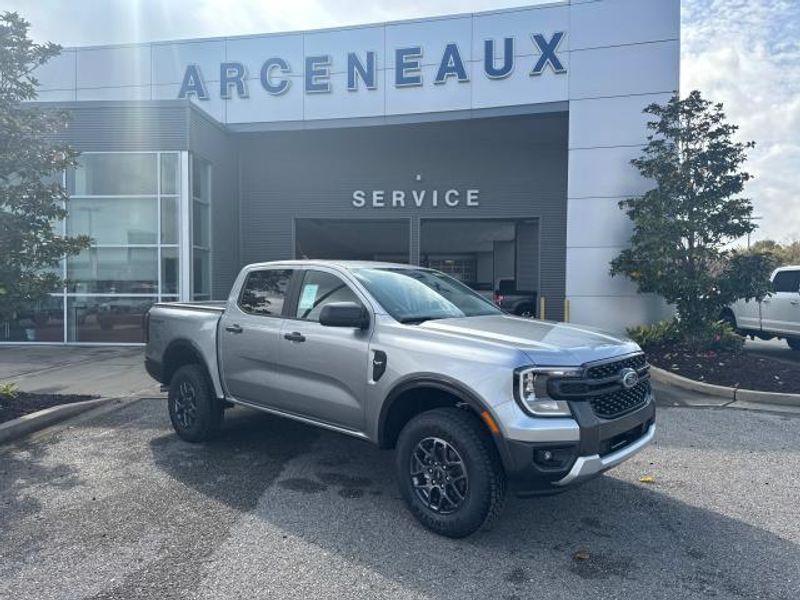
(449, 472)
(194, 410)
(794, 343)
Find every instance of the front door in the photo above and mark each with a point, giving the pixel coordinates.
(323, 370)
(250, 336)
(781, 310)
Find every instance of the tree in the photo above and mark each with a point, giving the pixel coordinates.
(787, 253)
(32, 199)
(683, 227)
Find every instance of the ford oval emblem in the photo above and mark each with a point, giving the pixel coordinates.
(629, 378)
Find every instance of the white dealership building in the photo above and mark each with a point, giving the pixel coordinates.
(494, 146)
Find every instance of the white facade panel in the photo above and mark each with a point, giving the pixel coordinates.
(339, 43)
(116, 66)
(130, 92)
(520, 87)
(58, 73)
(597, 222)
(452, 95)
(253, 51)
(624, 70)
(617, 313)
(341, 103)
(170, 60)
(605, 122)
(264, 107)
(521, 25)
(605, 173)
(55, 95)
(432, 36)
(618, 22)
(587, 273)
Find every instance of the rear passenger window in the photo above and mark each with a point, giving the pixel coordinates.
(318, 289)
(265, 291)
(787, 281)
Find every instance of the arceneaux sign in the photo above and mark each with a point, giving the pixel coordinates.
(275, 71)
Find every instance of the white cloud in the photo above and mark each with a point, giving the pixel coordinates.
(744, 53)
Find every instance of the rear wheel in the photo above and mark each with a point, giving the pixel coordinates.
(194, 410)
(794, 343)
(449, 472)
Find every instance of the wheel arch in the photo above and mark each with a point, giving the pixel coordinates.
(181, 352)
(425, 391)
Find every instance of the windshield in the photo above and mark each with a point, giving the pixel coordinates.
(417, 295)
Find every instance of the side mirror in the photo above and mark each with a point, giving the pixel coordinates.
(344, 314)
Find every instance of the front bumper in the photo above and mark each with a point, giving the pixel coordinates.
(586, 467)
(587, 445)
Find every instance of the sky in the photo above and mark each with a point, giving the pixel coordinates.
(743, 53)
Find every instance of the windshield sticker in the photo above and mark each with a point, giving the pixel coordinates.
(308, 296)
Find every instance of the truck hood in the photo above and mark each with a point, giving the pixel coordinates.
(545, 343)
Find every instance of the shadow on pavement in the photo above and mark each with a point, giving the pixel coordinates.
(337, 506)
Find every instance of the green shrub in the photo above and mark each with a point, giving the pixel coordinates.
(717, 336)
(663, 332)
(8, 390)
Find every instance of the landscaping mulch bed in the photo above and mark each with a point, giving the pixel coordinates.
(23, 403)
(731, 369)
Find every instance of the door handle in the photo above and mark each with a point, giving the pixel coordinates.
(235, 328)
(295, 336)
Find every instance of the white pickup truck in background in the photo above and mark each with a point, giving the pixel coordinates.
(777, 315)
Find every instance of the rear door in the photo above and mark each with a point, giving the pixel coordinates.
(781, 311)
(323, 370)
(250, 335)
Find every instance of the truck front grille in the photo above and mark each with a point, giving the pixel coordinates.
(610, 369)
(622, 401)
(602, 387)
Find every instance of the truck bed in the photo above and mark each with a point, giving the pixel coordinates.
(192, 325)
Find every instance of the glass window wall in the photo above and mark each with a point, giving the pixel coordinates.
(201, 229)
(127, 202)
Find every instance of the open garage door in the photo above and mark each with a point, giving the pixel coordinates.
(489, 255)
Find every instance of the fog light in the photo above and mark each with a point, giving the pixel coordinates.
(552, 458)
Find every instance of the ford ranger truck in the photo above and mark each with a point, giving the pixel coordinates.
(474, 401)
(776, 316)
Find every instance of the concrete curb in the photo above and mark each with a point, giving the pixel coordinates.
(26, 424)
(732, 394)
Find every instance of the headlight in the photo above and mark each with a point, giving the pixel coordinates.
(530, 390)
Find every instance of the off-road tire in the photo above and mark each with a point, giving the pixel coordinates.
(208, 412)
(486, 493)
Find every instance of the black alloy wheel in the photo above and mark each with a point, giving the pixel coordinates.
(439, 475)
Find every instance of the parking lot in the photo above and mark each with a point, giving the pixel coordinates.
(116, 506)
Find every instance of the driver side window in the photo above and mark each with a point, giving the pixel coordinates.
(318, 289)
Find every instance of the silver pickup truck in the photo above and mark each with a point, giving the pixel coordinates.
(475, 401)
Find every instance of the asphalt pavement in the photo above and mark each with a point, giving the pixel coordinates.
(116, 506)
(106, 371)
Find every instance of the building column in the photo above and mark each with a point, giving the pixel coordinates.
(185, 237)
